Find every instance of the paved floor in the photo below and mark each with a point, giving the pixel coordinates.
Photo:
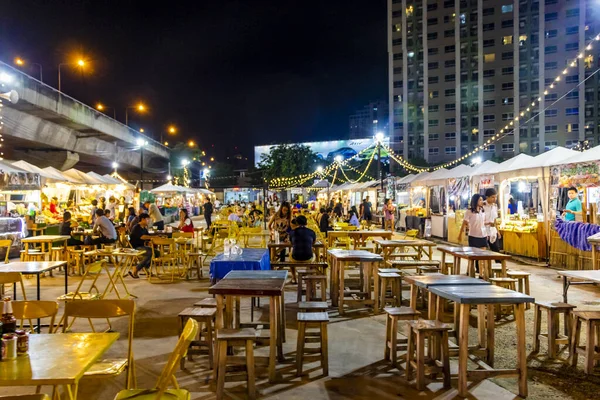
(355, 350)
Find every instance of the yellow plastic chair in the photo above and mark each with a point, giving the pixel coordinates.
(167, 375)
(6, 243)
(93, 272)
(40, 396)
(106, 309)
(35, 309)
(167, 261)
(8, 278)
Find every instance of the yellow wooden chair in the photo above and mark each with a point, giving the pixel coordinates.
(246, 234)
(35, 309)
(38, 396)
(167, 375)
(92, 272)
(6, 243)
(167, 260)
(105, 309)
(12, 278)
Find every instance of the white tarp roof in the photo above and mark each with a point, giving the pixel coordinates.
(58, 175)
(405, 178)
(204, 191)
(484, 168)
(32, 168)
(512, 163)
(107, 179)
(82, 177)
(592, 154)
(170, 188)
(547, 158)
(8, 167)
(418, 177)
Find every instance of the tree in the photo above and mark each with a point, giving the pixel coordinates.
(222, 174)
(285, 161)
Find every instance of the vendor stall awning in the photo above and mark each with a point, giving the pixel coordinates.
(32, 168)
(513, 163)
(547, 158)
(82, 177)
(170, 188)
(592, 154)
(58, 175)
(6, 167)
(485, 167)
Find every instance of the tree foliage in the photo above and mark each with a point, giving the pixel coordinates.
(284, 161)
(222, 174)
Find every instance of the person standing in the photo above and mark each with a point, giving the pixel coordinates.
(388, 214)
(112, 207)
(137, 238)
(366, 209)
(490, 209)
(573, 207)
(281, 222)
(94, 209)
(207, 210)
(154, 213)
(475, 221)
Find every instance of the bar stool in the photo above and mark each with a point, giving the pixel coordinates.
(389, 270)
(436, 334)
(301, 273)
(522, 282)
(194, 262)
(507, 283)
(553, 334)
(394, 280)
(56, 253)
(593, 339)
(230, 337)
(313, 306)
(205, 318)
(427, 269)
(497, 272)
(313, 282)
(392, 343)
(209, 302)
(312, 320)
(75, 256)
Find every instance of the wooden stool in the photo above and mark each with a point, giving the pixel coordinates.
(593, 339)
(427, 269)
(522, 282)
(389, 270)
(553, 335)
(75, 256)
(395, 314)
(446, 267)
(209, 302)
(395, 282)
(507, 283)
(205, 318)
(32, 255)
(497, 272)
(436, 333)
(312, 285)
(313, 306)
(301, 273)
(308, 320)
(412, 264)
(230, 337)
(194, 262)
(57, 253)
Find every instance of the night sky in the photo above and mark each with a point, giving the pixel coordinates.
(226, 73)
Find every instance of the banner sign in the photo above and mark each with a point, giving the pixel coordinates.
(579, 175)
(20, 181)
(486, 182)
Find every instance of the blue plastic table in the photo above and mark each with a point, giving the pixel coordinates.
(250, 260)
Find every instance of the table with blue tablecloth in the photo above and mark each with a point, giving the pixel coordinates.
(250, 260)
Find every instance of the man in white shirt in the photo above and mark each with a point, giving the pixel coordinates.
(105, 228)
(155, 215)
(490, 209)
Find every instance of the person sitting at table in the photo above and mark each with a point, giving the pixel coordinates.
(109, 215)
(234, 217)
(105, 228)
(137, 238)
(185, 222)
(303, 240)
(154, 212)
(66, 227)
(353, 214)
(324, 221)
(280, 222)
(255, 215)
(131, 215)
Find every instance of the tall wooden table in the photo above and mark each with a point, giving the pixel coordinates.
(388, 247)
(369, 263)
(254, 284)
(359, 237)
(57, 360)
(45, 242)
(274, 248)
(582, 278)
(485, 297)
(245, 236)
(472, 254)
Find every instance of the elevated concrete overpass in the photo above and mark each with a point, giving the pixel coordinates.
(48, 128)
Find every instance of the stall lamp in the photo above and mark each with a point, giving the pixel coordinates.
(379, 136)
(522, 186)
(169, 177)
(115, 165)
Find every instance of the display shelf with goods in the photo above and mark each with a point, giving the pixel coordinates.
(13, 229)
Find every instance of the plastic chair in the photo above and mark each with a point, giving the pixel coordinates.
(93, 272)
(6, 243)
(35, 309)
(167, 259)
(167, 375)
(106, 309)
(39, 396)
(7, 278)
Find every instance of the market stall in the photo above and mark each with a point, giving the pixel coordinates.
(412, 216)
(170, 198)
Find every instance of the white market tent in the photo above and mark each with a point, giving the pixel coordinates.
(430, 177)
(512, 163)
(7, 167)
(59, 175)
(550, 157)
(204, 191)
(421, 176)
(405, 179)
(592, 154)
(485, 167)
(32, 168)
(82, 177)
(170, 188)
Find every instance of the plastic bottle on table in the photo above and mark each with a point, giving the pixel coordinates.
(226, 248)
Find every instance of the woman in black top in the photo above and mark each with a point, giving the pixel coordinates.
(324, 222)
(66, 229)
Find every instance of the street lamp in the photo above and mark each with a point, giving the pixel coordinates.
(115, 165)
(141, 143)
(80, 63)
(21, 63)
(476, 160)
(102, 107)
(171, 130)
(139, 107)
(191, 143)
(320, 169)
(339, 159)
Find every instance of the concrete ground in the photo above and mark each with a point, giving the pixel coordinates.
(356, 343)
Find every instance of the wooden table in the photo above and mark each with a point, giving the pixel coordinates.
(594, 241)
(264, 235)
(486, 297)
(588, 278)
(472, 254)
(389, 246)
(359, 237)
(369, 263)
(274, 248)
(254, 284)
(430, 280)
(46, 240)
(57, 360)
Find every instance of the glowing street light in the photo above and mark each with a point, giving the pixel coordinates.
(212, 159)
(21, 63)
(80, 63)
(339, 158)
(166, 143)
(172, 130)
(320, 169)
(379, 137)
(138, 107)
(184, 163)
(476, 160)
(191, 143)
(115, 165)
(102, 107)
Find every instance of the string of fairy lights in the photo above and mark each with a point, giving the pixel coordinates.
(509, 128)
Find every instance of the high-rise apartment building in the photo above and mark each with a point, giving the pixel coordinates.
(372, 118)
(460, 70)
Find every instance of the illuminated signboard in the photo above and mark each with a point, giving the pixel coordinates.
(328, 150)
